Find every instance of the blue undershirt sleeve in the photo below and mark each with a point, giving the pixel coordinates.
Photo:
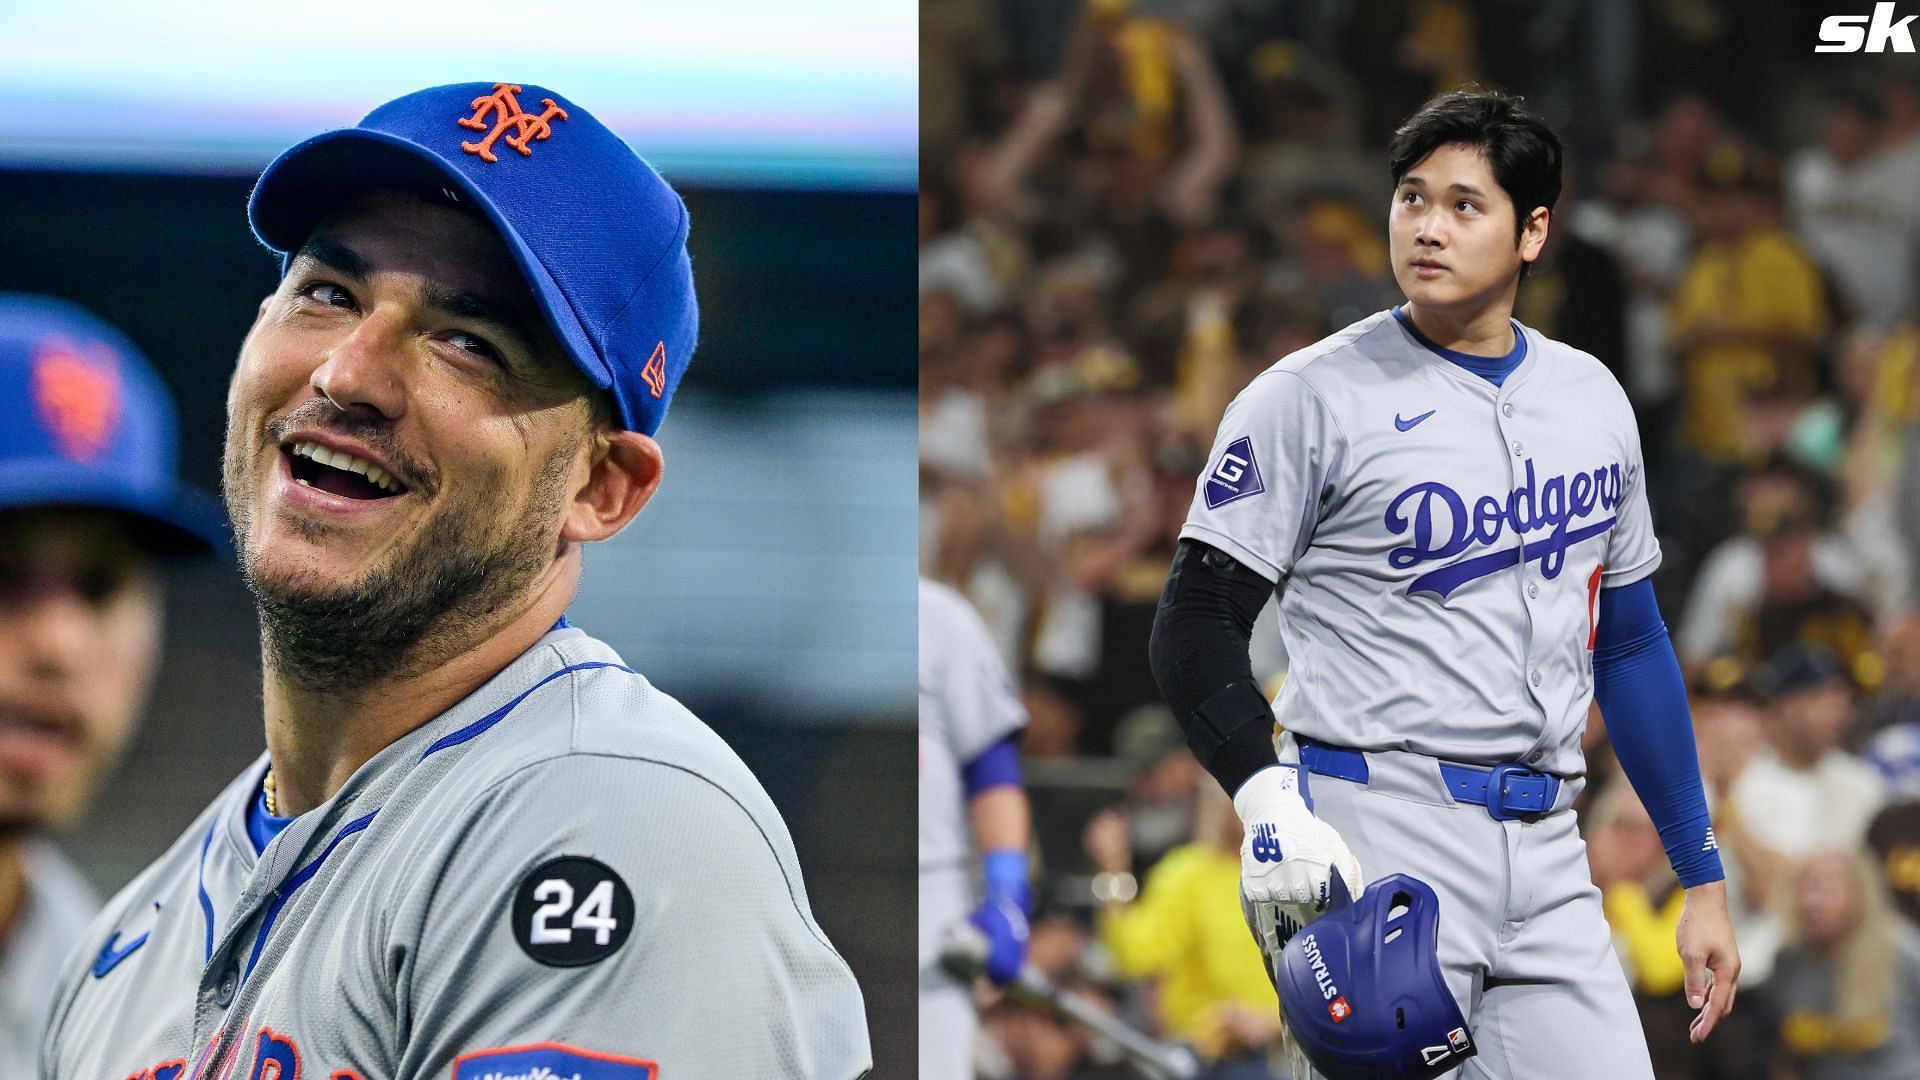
(996, 766)
(1637, 682)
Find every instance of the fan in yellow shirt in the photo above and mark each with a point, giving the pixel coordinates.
(1642, 898)
(1750, 309)
(1184, 930)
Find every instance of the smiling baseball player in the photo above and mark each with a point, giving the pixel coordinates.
(478, 845)
(1452, 511)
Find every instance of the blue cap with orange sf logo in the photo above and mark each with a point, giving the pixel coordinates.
(90, 424)
(599, 237)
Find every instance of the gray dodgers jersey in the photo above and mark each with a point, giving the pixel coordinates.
(1438, 543)
(566, 874)
(967, 703)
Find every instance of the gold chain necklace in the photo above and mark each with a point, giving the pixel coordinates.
(272, 791)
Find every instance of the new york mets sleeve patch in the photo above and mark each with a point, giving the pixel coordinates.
(550, 1061)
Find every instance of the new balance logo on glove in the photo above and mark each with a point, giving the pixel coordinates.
(1266, 846)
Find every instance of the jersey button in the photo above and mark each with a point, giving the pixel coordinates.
(1517, 448)
(1533, 591)
(223, 994)
(1535, 678)
(1507, 409)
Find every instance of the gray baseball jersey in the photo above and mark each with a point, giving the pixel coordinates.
(51, 923)
(564, 875)
(967, 703)
(1439, 542)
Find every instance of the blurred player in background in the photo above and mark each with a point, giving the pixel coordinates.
(971, 800)
(89, 505)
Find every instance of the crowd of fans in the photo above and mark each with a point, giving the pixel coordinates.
(1130, 209)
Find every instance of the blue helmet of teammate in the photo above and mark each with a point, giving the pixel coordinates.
(1362, 991)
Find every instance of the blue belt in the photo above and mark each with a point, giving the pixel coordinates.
(1509, 791)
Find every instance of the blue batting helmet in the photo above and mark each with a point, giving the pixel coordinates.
(1362, 991)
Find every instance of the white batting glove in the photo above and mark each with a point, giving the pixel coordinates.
(1288, 856)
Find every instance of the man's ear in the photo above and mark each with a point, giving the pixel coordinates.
(623, 472)
(1533, 237)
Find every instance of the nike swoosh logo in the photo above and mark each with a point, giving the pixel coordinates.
(110, 957)
(1409, 425)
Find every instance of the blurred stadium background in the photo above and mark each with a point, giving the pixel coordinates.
(1130, 208)
(770, 586)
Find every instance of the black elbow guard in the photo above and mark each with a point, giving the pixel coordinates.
(1232, 734)
(1198, 653)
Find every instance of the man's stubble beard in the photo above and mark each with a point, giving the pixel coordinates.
(423, 605)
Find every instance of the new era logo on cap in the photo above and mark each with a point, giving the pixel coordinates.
(655, 373)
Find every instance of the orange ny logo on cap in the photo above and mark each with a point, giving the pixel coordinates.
(507, 113)
(78, 399)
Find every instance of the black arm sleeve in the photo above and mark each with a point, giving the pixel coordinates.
(1199, 657)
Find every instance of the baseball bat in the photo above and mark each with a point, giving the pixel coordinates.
(964, 956)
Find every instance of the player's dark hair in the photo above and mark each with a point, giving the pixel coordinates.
(1522, 151)
(600, 411)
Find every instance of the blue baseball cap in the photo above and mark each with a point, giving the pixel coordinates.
(1797, 667)
(599, 237)
(89, 423)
